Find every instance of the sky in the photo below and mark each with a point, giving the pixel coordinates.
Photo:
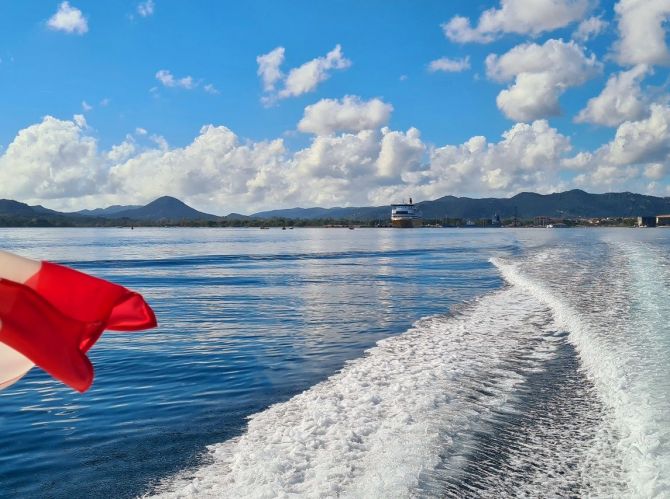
(255, 105)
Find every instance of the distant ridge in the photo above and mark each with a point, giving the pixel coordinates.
(526, 205)
(9, 207)
(106, 212)
(164, 208)
(575, 203)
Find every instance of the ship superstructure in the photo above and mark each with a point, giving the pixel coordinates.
(405, 215)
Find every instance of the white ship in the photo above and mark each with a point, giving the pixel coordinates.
(405, 215)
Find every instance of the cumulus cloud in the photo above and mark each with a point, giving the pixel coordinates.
(642, 32)
(449, 65)
(214, 165)
(122, 151)
(269, 68)
(541, 74)
(146, 9)
(639, 147)
(400, 153)
(525, 17)
(351, 114)
(51, 159)
(527, 158)
(300, 80)
(167, 79)
(657, 171)
(621, 100)
(589, 28)
(68, 19)
(86, 107)
(58, 162)
(642, 141)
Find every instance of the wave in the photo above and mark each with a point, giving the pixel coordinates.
(613, 358)
(523, 391)
(412, 417)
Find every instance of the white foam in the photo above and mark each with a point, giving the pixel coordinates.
(606, 343)
(374, 428)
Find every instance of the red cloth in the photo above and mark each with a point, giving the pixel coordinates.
(56, 316)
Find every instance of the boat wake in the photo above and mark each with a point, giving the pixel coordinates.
(510, 395)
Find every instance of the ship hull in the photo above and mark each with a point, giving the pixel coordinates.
(407, 223)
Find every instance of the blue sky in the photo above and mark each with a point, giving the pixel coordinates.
(87, 115)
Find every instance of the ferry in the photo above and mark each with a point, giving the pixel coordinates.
(405, 215)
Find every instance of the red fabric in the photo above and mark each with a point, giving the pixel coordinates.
(59, 313)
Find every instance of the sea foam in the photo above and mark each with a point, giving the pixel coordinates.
(375, 428)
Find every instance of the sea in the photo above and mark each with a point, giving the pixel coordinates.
(358, 363)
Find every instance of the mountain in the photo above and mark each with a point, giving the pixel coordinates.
(299, 213)
(15, 208)
(107, 212)
(236, 216)
(164, 208)
(9, 207)
(570, 204)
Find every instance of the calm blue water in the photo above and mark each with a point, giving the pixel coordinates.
(559, 342)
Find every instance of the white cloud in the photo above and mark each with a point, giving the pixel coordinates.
(458, 29)
(211, 89)
(527, 158)
(168, 80)
(621, 100)
(86, 107)
(80, 120)
(146, 8)
(449, 65)
(122, 151)
(305, 78)
(68, 19)
(269, 68)
(300, 80)
(642, 32)
(525, 17)
(58, 161)
(400, 153)
(51, 159)
(657, 171)
(346, 158)
(643, 141)
(350, 114)
(215, 166)
(140, 131)
(541, 74)
(105, 102)
(589, 28)
(639, 148)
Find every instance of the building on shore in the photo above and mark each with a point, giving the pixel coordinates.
(662, 220)
(646, 221)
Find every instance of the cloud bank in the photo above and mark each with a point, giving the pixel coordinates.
(352, 158)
